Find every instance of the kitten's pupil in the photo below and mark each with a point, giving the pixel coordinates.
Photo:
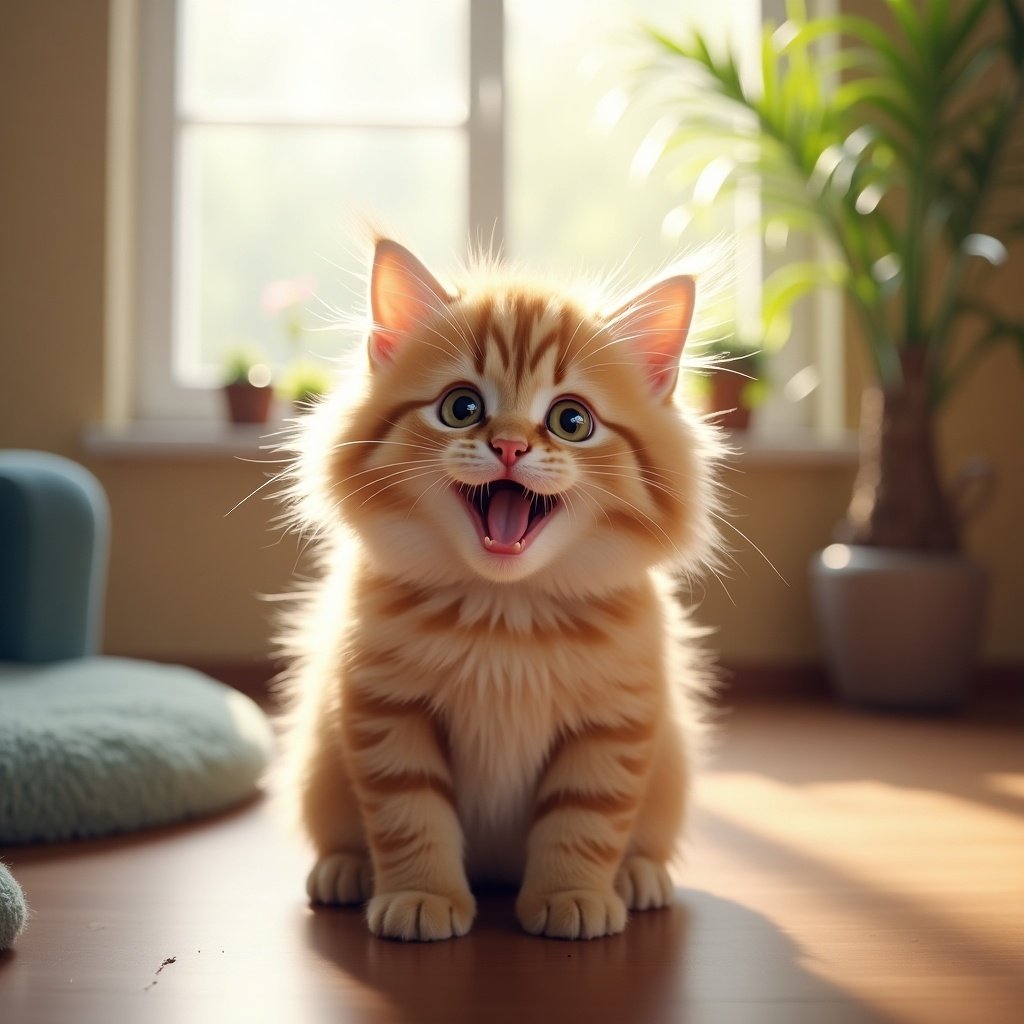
(464, 407)
(572, 421)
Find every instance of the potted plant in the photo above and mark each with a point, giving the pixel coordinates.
(284, 300)
(908, 171)
(303, 383)
(734, 381)
(247, 387)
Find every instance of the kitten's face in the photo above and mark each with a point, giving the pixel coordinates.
(507, 434)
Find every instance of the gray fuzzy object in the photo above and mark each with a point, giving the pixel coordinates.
(12, 909)
(100, 745)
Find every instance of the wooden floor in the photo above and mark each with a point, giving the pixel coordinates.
(842, 867)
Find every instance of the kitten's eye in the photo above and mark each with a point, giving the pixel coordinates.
(570, 420)
(461, 407)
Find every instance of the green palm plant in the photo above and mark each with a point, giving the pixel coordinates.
(900, 146)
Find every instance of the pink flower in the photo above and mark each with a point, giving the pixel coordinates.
(281, 295)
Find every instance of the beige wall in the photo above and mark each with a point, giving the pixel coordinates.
(184, 577)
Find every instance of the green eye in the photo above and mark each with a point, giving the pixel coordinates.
(461, 407)
(570, 420)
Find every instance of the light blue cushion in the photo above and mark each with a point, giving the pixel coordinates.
(99, 745)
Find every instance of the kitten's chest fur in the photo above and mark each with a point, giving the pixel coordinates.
(508, 674)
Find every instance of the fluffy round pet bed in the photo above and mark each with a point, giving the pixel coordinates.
(93, 746)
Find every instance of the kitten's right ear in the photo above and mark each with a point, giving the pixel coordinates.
(403, 293)
(653, 327)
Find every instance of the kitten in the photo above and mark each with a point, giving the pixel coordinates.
(492, 681)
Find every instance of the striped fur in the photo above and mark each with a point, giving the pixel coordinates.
(457, 715)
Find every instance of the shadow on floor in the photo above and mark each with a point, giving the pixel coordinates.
(705, 959)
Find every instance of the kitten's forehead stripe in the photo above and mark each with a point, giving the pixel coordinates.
(529, 313)
(567, 333)
(548, 342)
(571, 323)
(502, 344)
(483, 328)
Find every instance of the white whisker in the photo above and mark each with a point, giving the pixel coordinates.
(738, 531)
(387, 487)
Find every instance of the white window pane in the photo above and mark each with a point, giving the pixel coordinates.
(571, 199)
(324, 60)
(264, 204)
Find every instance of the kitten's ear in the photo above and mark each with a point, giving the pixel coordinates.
(653, 327)
(403, 293)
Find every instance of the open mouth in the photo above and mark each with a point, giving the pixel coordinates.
(506, 515)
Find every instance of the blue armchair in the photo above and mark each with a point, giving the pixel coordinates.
(54, 542)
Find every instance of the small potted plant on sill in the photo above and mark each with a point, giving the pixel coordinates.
(248, 388)
(908, 174)
(304, 379)
(734, 383)
(303, 383)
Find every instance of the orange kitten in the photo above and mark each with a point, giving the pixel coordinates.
(492, 680)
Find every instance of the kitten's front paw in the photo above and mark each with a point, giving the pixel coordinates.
(340, 878)
(644, 884)
(420, 916)
(574, 914)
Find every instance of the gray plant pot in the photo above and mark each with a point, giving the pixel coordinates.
(900, 629)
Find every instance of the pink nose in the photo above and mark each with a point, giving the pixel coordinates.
(509, 451)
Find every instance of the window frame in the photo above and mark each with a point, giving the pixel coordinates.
(158, 241)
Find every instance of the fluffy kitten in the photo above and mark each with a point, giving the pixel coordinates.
(491, 680)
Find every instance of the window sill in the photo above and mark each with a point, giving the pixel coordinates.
(181, 439)
(187, 439)
(798, 448)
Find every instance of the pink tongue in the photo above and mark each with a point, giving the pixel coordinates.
(508, 516)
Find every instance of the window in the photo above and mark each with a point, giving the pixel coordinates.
(267, 130)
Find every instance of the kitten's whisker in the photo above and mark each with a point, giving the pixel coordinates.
(266, 483)
(643, 516)
(434, 443)
(439, 483)
(390, 465)
(640, 476)
(337, 446)
(265, 462)
(721, 581)
(581, 493)
(588, 351)
(572, 338)
(403, 473)
(737, 530)
(570, 508)
(395, 483)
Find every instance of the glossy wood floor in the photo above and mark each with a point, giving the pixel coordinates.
(842, 868)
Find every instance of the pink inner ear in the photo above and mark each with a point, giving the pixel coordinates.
(661, 373)
(382, 346)
(654, 325)
(403, 294)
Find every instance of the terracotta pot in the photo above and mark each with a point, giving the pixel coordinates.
(247, 403)
(725, 400)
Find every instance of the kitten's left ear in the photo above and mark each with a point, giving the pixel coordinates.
(403, 293)
(653, 327)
